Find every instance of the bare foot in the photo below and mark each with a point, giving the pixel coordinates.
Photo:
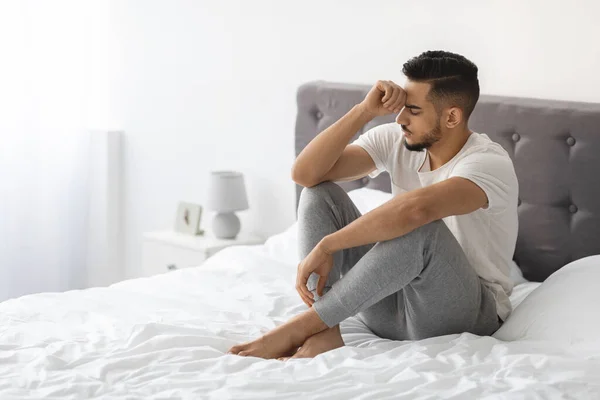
(286, 338)
(278, 342)
(322, 342)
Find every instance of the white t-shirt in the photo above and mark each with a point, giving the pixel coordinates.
(488, 235)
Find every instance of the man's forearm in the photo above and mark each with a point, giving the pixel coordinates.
(395, 218)
(321, 154)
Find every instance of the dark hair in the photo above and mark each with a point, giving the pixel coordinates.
(453, 79)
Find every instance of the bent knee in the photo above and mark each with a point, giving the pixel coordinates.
(324, 190)
(319, 189)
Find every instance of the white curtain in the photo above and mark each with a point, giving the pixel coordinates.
(44, 145)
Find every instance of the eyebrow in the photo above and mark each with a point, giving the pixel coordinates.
(412, 106)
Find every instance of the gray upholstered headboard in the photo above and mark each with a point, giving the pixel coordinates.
(555, 147)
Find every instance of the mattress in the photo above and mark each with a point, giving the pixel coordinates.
(166, 336)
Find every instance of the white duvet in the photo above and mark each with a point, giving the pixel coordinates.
(165, 337)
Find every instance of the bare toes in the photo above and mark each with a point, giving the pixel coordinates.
(237, 348)
(299, 354)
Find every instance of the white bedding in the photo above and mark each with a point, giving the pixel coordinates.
(165, 337)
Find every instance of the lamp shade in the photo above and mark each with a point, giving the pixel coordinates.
(226, 192)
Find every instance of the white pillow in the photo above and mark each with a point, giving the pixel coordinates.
(284, 246)
(516, 275)
(563, 308)
(367, 199)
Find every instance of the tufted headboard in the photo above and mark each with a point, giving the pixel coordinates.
(555, 147)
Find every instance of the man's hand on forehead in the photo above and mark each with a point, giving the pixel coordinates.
(385, 97)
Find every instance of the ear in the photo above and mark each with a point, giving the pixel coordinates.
(454, 117)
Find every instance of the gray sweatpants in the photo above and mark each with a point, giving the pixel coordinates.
(411, 287)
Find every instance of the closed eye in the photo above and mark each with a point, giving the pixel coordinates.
(412, 112)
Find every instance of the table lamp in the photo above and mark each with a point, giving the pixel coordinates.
(226, 194)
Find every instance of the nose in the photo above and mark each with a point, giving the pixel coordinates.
(401, 118)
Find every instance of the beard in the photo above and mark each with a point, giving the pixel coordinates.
(430, 138)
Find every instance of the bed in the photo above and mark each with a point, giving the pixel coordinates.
(166, 336)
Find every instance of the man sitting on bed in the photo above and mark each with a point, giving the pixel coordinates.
(433, 260)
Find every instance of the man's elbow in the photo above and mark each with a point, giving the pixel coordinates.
(302, 179)
(303, 182)
(297, 176)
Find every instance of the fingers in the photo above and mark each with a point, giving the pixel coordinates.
(305, 290)
(396, 100)
(393, 91)
(306, 301)
(321, 285)
(305, 298)
(396, 94)
(309, 302)
(390, 104)
(387, 90)
(399, 104)
(302, 289)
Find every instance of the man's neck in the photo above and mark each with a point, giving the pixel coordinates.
(446, 148)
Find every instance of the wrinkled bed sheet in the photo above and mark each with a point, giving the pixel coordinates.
(165, 337)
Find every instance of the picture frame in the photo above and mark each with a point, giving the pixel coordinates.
(188, 218)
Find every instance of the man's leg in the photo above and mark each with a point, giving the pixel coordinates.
(417, 285)
(324, 209)
(411, 287)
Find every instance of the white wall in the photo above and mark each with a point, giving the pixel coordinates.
(211, 85)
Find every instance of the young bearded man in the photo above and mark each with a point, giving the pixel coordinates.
(433, 260)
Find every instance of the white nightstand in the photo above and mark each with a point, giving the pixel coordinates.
(167, 250)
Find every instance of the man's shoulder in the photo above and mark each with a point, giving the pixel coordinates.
(482, 144)
(486, 156)
(482, 139)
